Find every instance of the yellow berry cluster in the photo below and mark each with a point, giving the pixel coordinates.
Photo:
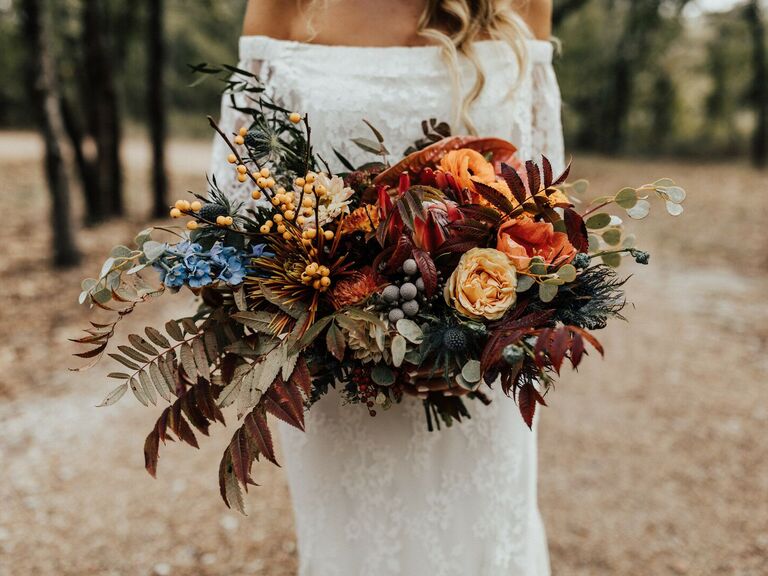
(184, 207)
(316, 276)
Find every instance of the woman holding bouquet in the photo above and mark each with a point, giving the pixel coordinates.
(383, 496)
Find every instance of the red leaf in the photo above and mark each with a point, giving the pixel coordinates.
(576, 230)
(540, 349)
(256, 425)
(577, 349)
(151, 455)
(301, 377)
(277, 404)
(401, 254)
(428, 271)
(515, 183)
(547, 169)
(526, 401)
(558, 347)
(564, 176)
(501, 202)
(534, 177)
(241, 457)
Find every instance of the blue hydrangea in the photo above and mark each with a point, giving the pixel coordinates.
(187, 263)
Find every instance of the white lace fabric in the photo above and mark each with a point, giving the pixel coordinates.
(382, 496)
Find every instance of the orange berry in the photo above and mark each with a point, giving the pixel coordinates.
(243, 131)
(242, 177)
(294, 117)
(239, 140)
(175, 213)
(256, 194)
(192, 225)
(231, 158)
(264, 172)
(196, 205)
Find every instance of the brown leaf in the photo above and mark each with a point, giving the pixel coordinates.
(526, 401)
(241, 457)
(427, 269)
(335, 342)
(258, 429)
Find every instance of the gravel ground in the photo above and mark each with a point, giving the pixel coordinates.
(653, 461)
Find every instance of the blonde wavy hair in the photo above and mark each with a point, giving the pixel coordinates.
(455, 26)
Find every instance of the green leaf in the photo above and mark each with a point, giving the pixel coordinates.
(547, 292)
(674, 194)
(153, 250)
(147, 387)
(137, 391)
(525, 283)
(613, 260)
(334, 339)
(410, 330)
(580, 186)
(471, 372)
(567, 273)
(597, 221)
(114, 396)
(399, 346)
(640, 210)
(383, 375)
(538, 266)
(674, 209)
(156, 336)
(626, 198)
(313, 332)
(612, 236)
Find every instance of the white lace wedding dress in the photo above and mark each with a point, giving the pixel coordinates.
(382, 496)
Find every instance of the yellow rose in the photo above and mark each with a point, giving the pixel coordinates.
(483, 285)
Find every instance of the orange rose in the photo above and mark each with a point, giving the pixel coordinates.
(467, 165)
(522, 239)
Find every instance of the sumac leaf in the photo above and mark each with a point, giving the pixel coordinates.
(428, 271)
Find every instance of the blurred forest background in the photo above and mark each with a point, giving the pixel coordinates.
(643, 77)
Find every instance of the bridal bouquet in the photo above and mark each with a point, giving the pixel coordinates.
(457, 268)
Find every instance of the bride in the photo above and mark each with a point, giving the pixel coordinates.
(383, 496)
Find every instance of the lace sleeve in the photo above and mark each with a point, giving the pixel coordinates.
(547, 127)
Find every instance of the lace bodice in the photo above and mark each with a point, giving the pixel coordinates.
(383, 496)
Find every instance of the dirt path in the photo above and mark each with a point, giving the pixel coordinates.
(654, 461)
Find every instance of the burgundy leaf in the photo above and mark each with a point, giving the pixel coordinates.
(301, 377)
(495, 197)
(151, 455)
(526, 401)
(577, 349)
(280, 412)
(534, 177)
(576, 230)
(558, 347)
(428, 271)
(241, 457)
(564, 176)
(547, 169)
(515, 183)
(258, 429)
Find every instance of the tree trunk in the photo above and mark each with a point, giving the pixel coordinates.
(86, 166)
(105, 118)
(156, 105)
(641, 20)
(759, 85)
(45, 94)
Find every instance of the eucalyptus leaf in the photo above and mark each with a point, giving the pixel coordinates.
(410, 330)
(626, 198)
(383, 375)
(613, 260)
(538, 266)
(567, 273)
(612, 236)
(597, 221)
(675, 194)
(399, 346)
(664, 182)
(525, 283)
(580, 186)
(674, 209)
(547, 292)
(640, 210)
(471, 371)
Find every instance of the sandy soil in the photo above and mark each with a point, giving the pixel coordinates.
(654, 461)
